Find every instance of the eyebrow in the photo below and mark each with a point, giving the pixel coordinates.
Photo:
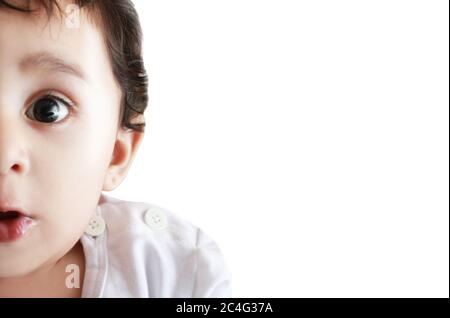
(52, 63)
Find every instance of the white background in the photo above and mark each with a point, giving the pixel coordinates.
(308, 138)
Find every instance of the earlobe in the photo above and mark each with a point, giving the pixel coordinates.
(125, 150)
(110, 183)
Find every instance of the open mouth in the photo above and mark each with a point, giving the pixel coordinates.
(9, 215)
(14, 225)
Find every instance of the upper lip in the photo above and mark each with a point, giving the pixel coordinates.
(12, 207)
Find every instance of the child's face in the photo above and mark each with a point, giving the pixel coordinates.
(55, 170)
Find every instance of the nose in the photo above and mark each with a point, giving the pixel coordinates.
(12, 154)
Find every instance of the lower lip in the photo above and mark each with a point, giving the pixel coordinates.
(13, 229)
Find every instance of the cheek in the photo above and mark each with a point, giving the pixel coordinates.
(68, 183)
(78, 149)
(70, 173)
(73, 158)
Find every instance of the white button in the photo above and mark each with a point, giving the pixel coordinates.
(96, 226)
(155, 219)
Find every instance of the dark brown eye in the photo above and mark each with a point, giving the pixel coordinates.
(49, 110)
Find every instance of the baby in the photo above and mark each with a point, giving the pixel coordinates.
(73, 91)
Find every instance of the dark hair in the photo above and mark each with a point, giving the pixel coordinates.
(122, 31)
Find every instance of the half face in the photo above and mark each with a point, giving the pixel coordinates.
(59, 112)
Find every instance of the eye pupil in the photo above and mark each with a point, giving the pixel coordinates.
(46, 110)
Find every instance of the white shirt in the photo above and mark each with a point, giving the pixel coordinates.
(148, 251)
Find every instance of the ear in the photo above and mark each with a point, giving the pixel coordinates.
(125, 149)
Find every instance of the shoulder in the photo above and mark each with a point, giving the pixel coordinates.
(171, 255)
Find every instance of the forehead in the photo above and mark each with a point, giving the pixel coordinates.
(69, 43)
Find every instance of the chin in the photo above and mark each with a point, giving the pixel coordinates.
(16, 268)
